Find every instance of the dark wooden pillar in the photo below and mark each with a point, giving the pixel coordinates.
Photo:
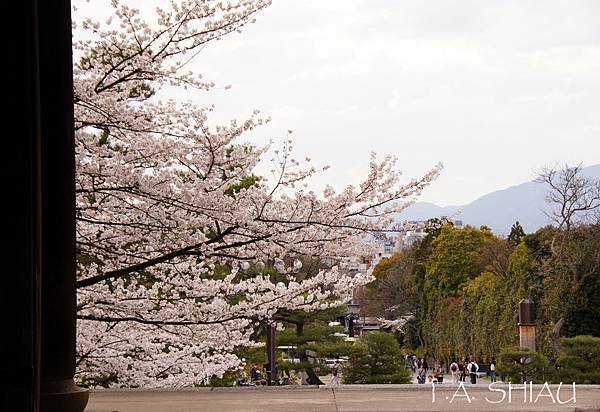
(21, 229)
(38, 352)
(58, 390)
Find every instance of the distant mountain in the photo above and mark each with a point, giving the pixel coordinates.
(497, 210)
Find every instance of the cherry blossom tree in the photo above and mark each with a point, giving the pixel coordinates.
(171, 212)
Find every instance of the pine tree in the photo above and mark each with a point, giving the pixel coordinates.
(516, 234)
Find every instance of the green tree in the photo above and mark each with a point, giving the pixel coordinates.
(520, 365)
(565, 275)
(311, 334)
(574, 200)
(516, 234)
(579, 360)
(397, 290)
(376, 358)
(455, 259)
(394, 294)
(464, 285)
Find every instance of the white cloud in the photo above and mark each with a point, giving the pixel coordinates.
(493, 89)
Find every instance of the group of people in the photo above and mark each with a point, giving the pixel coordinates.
(257, 377)
(423, 372)
(458, 369)
(260, 377)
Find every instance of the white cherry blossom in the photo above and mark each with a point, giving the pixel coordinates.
(171, 215)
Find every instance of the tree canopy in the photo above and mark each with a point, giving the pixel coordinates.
(376, 358)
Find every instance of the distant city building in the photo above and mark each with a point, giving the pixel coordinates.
(384, 248)
(416, 232)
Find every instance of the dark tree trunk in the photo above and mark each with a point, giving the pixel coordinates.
(300, 329)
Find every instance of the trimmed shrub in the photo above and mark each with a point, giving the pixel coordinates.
(579, 360)
(376, 358)
(518, 365)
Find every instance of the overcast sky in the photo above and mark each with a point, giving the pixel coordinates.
(493, 89)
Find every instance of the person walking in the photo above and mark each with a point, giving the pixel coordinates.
(410, 364)
(335, 379)
(439, 372)
(462, 370)
(472, 368)
(421, 375)
(455, 371)
(493, 369)
(425, 364)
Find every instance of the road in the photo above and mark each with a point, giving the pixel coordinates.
(343, 398)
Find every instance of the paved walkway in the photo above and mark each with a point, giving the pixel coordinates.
(341, 398)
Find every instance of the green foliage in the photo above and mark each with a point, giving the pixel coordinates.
(482, 306)
(376, 358)
(227, 380)
(252, 355)
(465, 294)
(245, 183)
(316, 332)
(464, 286)
(394, 291)
(419, 352)
(142, 91)
(516, 234)
(584, 314)
(435, 225)
(454, 260)
(103, 138)
(520, 365)
(312, 336)
(579, 360)
(581, 278)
